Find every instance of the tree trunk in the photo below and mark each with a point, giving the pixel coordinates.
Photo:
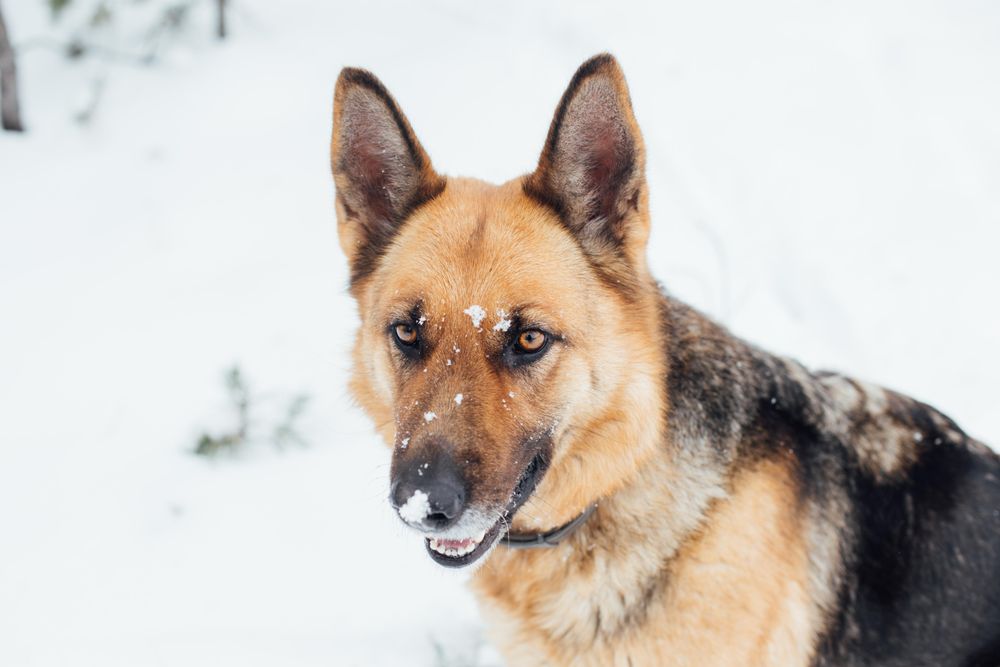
(220, 25)
(10, 108)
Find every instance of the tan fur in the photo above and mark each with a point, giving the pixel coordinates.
(507, 261)
(737, 593)
(683, 563)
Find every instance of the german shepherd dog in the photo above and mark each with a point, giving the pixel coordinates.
(645, 488)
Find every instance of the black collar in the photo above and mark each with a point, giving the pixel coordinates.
(550, 538)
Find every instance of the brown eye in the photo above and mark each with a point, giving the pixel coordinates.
(530, 341)
(405, 334)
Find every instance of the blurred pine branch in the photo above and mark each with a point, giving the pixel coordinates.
(242, 403)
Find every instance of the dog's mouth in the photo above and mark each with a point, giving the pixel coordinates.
(459, 553)
(466, 551)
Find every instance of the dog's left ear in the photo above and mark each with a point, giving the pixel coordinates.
(381, 171)
(592, 169)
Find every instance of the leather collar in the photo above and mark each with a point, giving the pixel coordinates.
(549, 538)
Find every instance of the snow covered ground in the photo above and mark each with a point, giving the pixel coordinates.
(826, 180)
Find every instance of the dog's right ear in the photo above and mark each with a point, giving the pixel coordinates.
(592, 169)
(381, 171)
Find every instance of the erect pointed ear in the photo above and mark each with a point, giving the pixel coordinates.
(592, 169)
(381, 171)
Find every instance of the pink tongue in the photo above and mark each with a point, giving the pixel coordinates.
(455, 544)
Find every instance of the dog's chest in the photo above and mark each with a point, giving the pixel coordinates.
(563, 614)
(727, 597)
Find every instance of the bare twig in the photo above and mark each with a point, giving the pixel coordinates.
(221, 29)
(10, 105)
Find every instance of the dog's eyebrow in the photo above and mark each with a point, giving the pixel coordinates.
(525, 309)
(417, 312)
(407, 309)
(532, 314)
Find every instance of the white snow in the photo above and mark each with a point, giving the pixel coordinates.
(416, 508)
(504, 323)
(429, 416)
(477, 314)
(825, 181)
(458, 399)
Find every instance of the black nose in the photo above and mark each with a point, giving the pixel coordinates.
(428, 493)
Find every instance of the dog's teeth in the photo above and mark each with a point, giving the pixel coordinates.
(449, 548)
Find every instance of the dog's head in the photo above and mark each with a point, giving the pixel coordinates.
(508, 333)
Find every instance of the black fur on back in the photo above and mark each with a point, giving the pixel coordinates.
(912, 502)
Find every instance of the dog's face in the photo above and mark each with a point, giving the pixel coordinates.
(499, 323)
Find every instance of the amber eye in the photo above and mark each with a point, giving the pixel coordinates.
(405, 334)
(530, 341)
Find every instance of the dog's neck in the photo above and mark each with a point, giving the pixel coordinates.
(689, 520)
(670, 488)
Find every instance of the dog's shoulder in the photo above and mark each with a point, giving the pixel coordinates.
(920, 543)
(910, 501)
(920, 533)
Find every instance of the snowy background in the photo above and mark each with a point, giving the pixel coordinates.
(825, 180)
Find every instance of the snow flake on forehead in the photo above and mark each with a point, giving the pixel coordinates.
(458, 399)
(429, 417)
(477, 314)
(504, 323)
